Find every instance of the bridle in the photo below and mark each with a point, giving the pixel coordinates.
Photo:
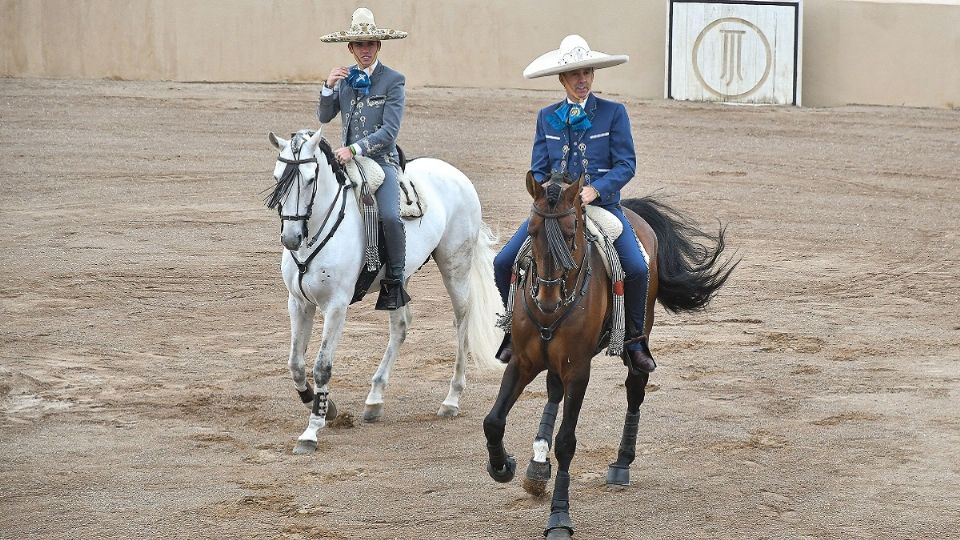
(345, 184)
(561, 253)
(316, 172)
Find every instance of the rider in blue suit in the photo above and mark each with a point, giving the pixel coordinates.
(586, 135)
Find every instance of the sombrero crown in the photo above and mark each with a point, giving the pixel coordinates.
(363, 28)
(574, 53)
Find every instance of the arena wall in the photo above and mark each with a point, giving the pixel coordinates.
(854, 51)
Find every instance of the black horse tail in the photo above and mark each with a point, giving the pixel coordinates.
(688, 259)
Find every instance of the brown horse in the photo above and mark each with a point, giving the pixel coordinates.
(562, 308)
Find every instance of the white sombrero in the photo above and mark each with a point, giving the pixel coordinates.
(574, 53)
(362, 28)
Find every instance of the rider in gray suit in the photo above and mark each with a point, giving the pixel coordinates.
(369, 97)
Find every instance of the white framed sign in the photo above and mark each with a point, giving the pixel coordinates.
(736, 51)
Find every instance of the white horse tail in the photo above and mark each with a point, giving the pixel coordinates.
(484, 304)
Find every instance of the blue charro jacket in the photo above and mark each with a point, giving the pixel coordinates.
(604, 152)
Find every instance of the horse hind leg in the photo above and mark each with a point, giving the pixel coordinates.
(321, 406)
(458, 291)
(539, 469)
(618, 473)
(399, 322)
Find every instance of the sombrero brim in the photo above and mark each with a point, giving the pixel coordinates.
(550, 63)
(378, 35)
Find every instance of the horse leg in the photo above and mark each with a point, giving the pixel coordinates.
(301, 324)
(618, 473)
(538, 470)
(455, 275)
(399, 321)
(502, 466)
(333, 321)
(559, 526)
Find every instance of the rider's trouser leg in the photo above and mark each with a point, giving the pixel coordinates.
(635, 286)
(502, 272)
(392, 295)
(503, 262)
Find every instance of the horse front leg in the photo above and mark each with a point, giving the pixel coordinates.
(501, 465)
(399, 321)
(618, 473)
(301, 324)
(559, 526)
(538, 470)
(333, 321)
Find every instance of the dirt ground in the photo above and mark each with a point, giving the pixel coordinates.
(144, 391)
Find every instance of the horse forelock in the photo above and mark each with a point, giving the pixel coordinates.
(297, 139)
(553, 192)
(283, 185)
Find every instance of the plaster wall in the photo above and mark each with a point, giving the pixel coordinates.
(855, 51)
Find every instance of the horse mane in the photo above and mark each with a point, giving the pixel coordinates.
(285, 183)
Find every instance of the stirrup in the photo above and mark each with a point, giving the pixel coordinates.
(392, 296)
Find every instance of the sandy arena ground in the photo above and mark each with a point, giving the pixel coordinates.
(144, 391)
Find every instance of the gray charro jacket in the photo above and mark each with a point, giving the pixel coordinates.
(372, 121)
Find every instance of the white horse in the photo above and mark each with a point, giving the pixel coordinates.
(323, 233)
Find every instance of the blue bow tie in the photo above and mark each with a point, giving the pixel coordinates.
(569, 115)
(359, 81)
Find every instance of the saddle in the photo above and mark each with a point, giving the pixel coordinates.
(367, 175)
(362, 169)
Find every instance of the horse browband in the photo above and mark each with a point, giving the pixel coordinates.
(543, 214)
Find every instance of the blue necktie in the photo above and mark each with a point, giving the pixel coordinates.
(569, 115)
(359, 81)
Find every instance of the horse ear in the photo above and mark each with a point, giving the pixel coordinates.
(534, 188)
(314, 140)
(277, 142)
(579, 183)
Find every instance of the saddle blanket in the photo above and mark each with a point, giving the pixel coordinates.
(605, 226)
(412, 206)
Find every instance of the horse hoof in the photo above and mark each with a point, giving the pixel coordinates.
(559, 527)
(305, 447)
(561, 533)
(504, 474)
(535, 482)
(331, 410)
(618, 475)
(448, 411)
(373, 413)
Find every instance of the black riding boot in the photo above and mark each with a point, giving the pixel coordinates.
(392, 296)
(505, 352)
(636, 353)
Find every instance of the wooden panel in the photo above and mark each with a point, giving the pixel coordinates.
(739, 52)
